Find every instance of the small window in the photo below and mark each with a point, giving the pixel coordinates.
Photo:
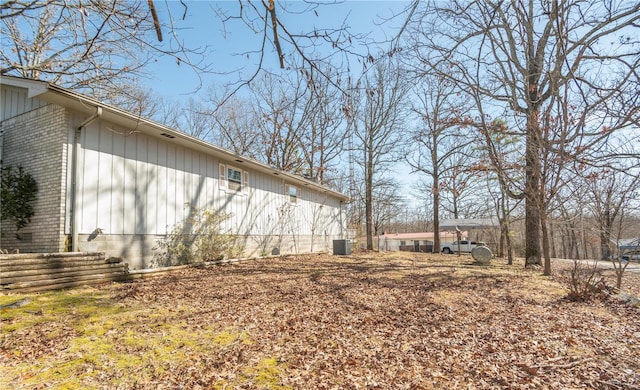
(292, 192)
(403, 243)
(233, 180)
(234, 177)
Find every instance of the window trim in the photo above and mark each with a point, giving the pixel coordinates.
(223, 179)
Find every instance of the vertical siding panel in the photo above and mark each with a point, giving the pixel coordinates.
(21, 103)
(219, 197)
(118, 189)
(172, 190)
(267, 213)
(187, 187)
(179, 182)
(105, 186)
(193, 179)
(14, 101)
(90, 180)
(199, 180)
(151, 194)
(163, 197)
(255, 201)
(203, 179)
(142, 184)
(192, 168)
(211, 183)
(270, 223)
(268, 220)
(130, 147)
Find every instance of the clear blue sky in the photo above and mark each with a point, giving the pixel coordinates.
(227, 49)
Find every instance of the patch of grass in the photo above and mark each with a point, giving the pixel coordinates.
(230, 336)
(134, 342)
(265, 374)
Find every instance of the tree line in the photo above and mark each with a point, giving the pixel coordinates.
(525, 111)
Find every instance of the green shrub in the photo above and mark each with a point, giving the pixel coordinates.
(17, 194)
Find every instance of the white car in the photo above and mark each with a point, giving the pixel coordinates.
(461, 246)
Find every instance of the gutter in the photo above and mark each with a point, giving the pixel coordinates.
(74, 177)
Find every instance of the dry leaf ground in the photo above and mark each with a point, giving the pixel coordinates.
(368, 321)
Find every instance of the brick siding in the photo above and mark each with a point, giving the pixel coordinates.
(37, 140)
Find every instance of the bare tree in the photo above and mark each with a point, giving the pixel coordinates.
(279, 106)
(377, 123)
(104, 47)
(461, 185)
(538, 61)
(298, 49)
(610, 194)
(324, 136)
(97, 46)
(442, 112)
(232, 124)
(387, 205)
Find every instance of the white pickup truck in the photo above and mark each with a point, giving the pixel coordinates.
(460, 246)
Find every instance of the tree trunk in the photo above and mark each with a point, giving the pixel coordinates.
(368, 202)
(502, 241)
(509, 245)
(436, 214)
(505, 238)
(552, 241)
(532, 188)
(545, 245)
(606, 222)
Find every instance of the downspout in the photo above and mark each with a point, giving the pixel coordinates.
(342, 231)
(74, 177)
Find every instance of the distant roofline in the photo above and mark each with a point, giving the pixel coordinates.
(469, 223)
(416, 236)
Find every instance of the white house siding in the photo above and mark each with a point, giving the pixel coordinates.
(36, 140)
(137, 184)
(132, 188)
(15, 101)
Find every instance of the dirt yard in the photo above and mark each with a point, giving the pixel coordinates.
(367, 321)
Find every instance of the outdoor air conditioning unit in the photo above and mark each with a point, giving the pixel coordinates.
(342, 247)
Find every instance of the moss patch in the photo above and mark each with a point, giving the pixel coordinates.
(266, 374)
(93, 334)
